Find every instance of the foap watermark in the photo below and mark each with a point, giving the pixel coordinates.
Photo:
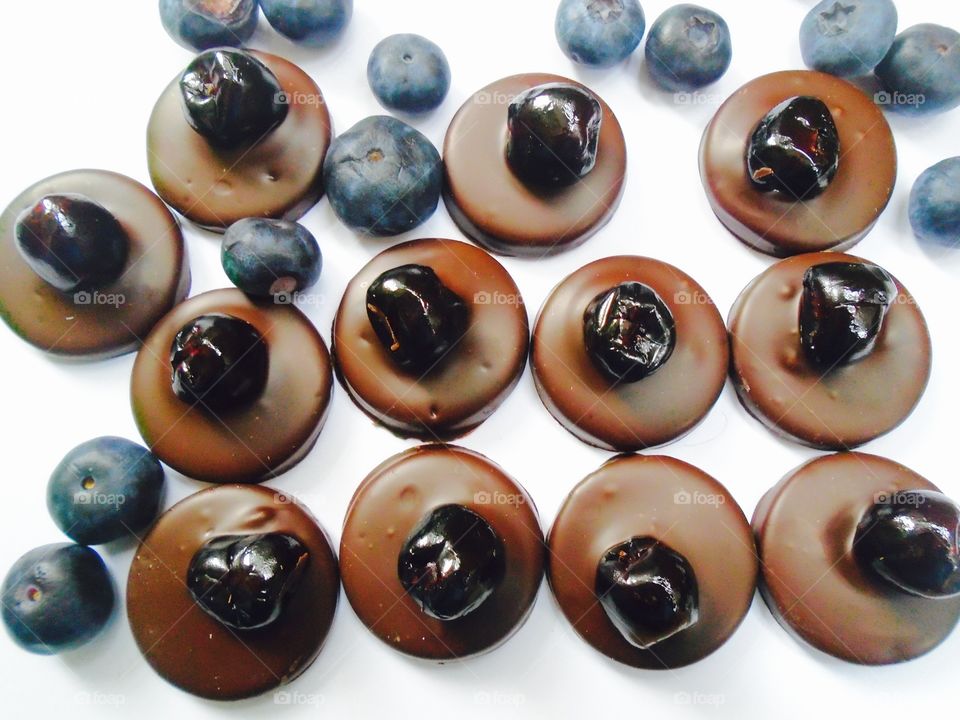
(485, 297)
(297, 297)
(97, 298)
(697, 98)
(93, 497)
(89, 699)
(885, 98)
(684, 497)
(699, 698)
(691, 297)
(485, 97)
(288, 697)
(486, 698)
(899, 497)
(298, 98)
(484, 497)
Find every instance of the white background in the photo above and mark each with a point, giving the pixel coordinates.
(79, 81)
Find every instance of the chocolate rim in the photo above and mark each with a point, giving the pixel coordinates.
(280, 176)
(463, 390)
(780, 387)
(388, 505)
(493, 207)
(778, 227)
(254, 443)
(838, 609)
(77, 325)
(629, 416)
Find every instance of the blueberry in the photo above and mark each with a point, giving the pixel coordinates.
(842, 309)
(648, 591)
(629, 332)
(312, 22)
(57, 597)
(408, 73)
(105, 489)
(230, 97)
(921, 73)
(244, 581)
(382, 176)
(935, 203)
(848, 37)
(795, 149)
(202, 24)
(266, 258)
(688, 48)
(417, 319)
(553, 133)
(72, 242)
(452, 562)
(599, 33)
(219, 361)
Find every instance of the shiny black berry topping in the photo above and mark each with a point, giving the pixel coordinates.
(417, 319)
(451, 562)
(244, 581)
(629, 332)
(72, 242)
(219, 361)
(231, 98)
(648, 590)
(842, 310)
(909, 540)
(554, 130)
(795, 150)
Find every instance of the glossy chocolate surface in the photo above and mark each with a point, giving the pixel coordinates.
(278, 177)
(110, 320)
(683, 507)
(494, 207)
(193, 650)
(652, 411)
(255, 442)
(391, 502)
(811, 581)
(782, 388)
(476, 375)
(837, 218)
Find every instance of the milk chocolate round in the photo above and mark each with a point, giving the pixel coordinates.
(106, 321)
(493, 206)
(247, 444)
(836, 409)
(682, 507)
(191, 648)
(277, 176)
(391, 502)
(471, 381)
(629, 416)
(811, 581)
(779, 224)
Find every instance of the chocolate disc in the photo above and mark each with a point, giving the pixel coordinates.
(493, 206)
(389, 505)
(280, 176)
(777, 225)
(652, 411)
(108, 321)
(811, 582)
(251, 443)
(677, 504)
(192, 649)
(467, 385)
(839, 409)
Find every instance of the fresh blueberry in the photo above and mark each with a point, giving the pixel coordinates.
(935, 203)
(688, 48)
(848, 37)
(600, 33)
(312, 22)
(202, 24)
(921, 73)
(382, 176)
(57, 597)
(105, 489)
(267, 258)
(408, 73)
